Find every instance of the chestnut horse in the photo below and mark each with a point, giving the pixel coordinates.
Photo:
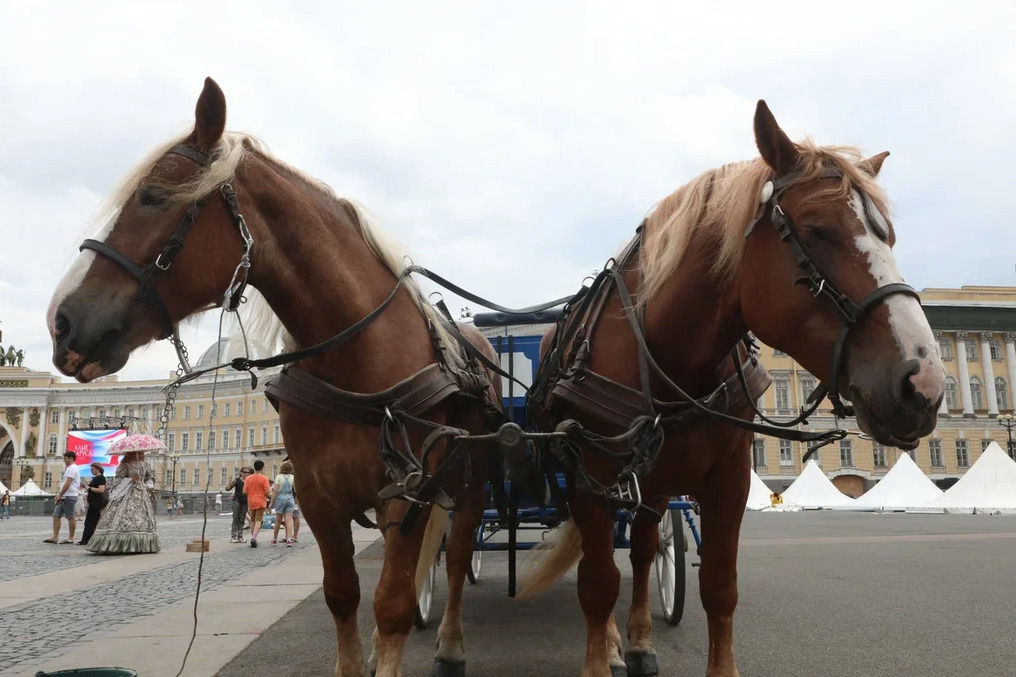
(321, 268)
(724, 255)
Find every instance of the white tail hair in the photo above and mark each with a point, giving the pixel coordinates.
(432, 535)
(552, 559)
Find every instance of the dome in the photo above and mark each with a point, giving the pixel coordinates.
(228, 348)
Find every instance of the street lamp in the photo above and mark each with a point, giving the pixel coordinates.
(1008, 421)
(174, 458)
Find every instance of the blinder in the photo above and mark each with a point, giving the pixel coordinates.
(816, 278)
(145, 276)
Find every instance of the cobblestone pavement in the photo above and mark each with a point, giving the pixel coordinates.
(41, 627)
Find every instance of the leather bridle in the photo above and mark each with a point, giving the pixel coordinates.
(820, 283)
(147, 275)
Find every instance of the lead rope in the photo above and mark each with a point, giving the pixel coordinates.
(208, 482)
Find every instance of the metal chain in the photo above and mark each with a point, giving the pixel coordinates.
(171, 389)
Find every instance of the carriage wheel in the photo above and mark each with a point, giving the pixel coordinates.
(426, 599)
(473, 572)
(669, 561)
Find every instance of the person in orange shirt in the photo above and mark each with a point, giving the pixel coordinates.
(255, 487)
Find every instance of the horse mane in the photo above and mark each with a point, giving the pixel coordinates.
(722, 202)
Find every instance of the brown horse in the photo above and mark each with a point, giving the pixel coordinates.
(722, 256)
(321, 268)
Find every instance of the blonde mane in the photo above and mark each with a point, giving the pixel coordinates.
(722, 202)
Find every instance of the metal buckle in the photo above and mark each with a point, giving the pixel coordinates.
(159, 264)
(627, 491)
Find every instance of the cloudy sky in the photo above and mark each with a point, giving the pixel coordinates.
(510, 146)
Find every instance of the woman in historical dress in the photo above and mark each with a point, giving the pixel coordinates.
(128, 524)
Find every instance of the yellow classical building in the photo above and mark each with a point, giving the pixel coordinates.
(975, 328)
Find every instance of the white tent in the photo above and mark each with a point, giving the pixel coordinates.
(3, 488)
(989, 486)
(812, 489)
(758, 495)
(30, 488)
(904, 486)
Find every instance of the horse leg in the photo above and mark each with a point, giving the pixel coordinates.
(641, 656)
(395, 596)
(450, 657)
(722, 511)
(598, 582)
(342, 593)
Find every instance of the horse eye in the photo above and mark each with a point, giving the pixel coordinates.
(151, 197)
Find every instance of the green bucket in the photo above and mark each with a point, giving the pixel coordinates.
(90, 672)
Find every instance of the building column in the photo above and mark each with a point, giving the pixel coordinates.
(943, 407)
(989, 373)
(961, 360)
(43, 438)
(1010, 359)
(24, 431)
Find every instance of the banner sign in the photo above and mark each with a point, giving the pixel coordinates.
(93, 445)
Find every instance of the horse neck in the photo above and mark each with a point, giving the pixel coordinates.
(693, 322)
(320, 276)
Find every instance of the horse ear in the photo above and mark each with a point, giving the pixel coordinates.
(776, 148)
(873, 164)
(209, 116)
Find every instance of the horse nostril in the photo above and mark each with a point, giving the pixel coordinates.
(62, 325)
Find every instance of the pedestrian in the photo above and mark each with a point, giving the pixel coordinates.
(5, 505)
(97, 500)
(179, 506)
(239, 506)
(66, 501)
(296, 520)
(284, 502)
(218, 502)
(169, 507)
(256, 489)
(128, 523)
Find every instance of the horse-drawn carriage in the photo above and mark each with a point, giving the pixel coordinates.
(516, 340)
(646, 392)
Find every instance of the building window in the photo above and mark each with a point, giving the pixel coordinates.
(971, 350)
(222, 475)
(183, 475)
(253, 407)
(277, 434)
(197, 475)
(808, 384)
(786, 452)
(238, 437)
(950, 394)
(172, 414)
(962, 455)
(185, 442)
(116, 412)
(1001, 393)
(984, 443)
(47, 482)
(878, 454)
(54, 416)
(186, 412)
(945, 349)
(169, 478)
(130, 412)
(198, 440)
(264, 435)
(52, 445)
(758, 453)
(996, 350)
(846, 454)
(782, 390)
(250, 436)
(225, 439)
(228, 409)
(102, 414)
(211, 440)
(201, 411)
(976, 396)
(935, 448)
(172, 442)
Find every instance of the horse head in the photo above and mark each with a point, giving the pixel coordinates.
(136, 280)
(818, 280)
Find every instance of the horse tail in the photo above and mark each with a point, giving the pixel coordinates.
(432, 536)
(553, 558)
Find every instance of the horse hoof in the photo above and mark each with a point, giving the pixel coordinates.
(618, 671)
(447, 668)
(641, 663)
